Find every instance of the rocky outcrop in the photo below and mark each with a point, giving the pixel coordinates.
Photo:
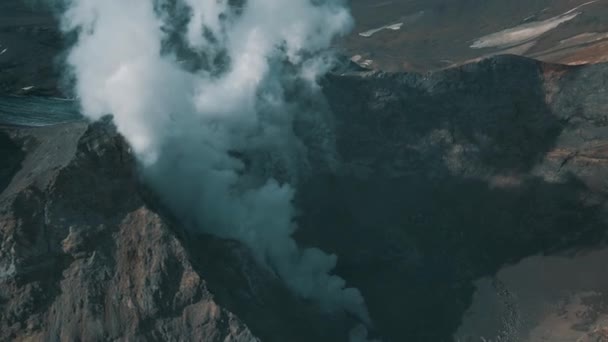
(84, 258)
(86, 253)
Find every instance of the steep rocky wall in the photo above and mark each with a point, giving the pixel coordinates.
(84, 258)
(448, 176)
(86, 253)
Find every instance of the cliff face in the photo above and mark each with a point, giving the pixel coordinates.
(84, 258)
(437, 180)
(86, 254)
(446, 177)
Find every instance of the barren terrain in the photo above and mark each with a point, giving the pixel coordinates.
(437, 34)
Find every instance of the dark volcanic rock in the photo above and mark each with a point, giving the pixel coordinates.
(86, 254)
(12, 155)
(446, 177)
(84, 258)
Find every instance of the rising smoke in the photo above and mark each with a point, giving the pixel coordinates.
(197, 87)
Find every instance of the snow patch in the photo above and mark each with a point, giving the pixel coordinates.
(526, 32)
(392, 27)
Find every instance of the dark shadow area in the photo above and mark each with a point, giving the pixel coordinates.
(260, 298)
(11, 157)
(496, 107)
(250, 291)
(31, 43)
(411, 230)
(415, 245)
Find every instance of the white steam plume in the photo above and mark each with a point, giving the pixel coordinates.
(197, 88)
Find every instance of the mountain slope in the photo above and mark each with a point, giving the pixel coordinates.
(86, 255)
(433, 181)
(84, 259)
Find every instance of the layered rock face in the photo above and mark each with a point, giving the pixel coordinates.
(84, 258)
(434, 181)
